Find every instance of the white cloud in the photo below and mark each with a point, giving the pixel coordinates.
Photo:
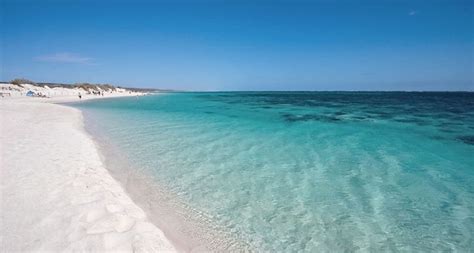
(64, 58)
(412, 12)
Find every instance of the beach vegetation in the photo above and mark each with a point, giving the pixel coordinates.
(94, 87)
(19, 81)
(88, 87)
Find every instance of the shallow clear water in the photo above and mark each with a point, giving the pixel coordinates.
(310, 171)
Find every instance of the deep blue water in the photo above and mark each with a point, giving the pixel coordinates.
(310, 171)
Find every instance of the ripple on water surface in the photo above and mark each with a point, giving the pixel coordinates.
(310, 171)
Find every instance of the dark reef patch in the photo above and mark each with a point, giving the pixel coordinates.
(412, 120)
(448, 130)
(359, 117)
(468, 139)
(450, 124)
(309, 117)
(450, 112)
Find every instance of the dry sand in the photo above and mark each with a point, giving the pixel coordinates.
(56, 194)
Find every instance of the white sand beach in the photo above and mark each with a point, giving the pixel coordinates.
(56, 194)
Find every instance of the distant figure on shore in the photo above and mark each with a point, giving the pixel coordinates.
(80, 96)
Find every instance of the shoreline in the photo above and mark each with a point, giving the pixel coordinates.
(189, 230)
(57, 193)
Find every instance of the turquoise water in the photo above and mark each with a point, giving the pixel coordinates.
(310, 171)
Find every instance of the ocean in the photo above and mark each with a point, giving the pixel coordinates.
(300, 171)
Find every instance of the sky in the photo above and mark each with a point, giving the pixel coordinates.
(241, 45)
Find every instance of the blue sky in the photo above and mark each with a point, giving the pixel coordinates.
(242, 45)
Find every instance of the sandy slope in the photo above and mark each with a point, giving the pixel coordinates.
(56, 194)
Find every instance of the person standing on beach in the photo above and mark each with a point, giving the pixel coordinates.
(80, 96)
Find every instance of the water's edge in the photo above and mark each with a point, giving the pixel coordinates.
(187, 229)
